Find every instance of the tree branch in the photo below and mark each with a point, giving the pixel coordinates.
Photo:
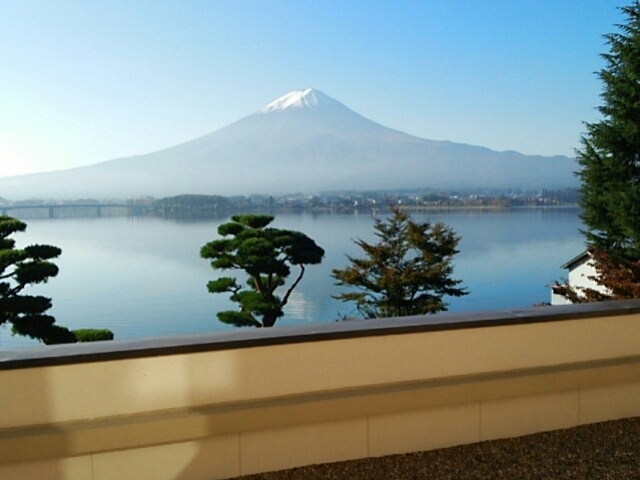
(258, 282)
(285, 299)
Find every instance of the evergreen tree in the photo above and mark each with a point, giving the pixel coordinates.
(610, 153)
(610, 169)
(408, 272)
(266, 255)
(20, 268)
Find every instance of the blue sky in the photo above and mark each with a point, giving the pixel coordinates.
(87, 81)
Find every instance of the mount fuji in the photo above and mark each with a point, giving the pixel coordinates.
(303, 142)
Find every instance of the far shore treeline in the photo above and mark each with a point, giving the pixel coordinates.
(204, 206)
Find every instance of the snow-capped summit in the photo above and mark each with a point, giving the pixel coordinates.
(308, 98)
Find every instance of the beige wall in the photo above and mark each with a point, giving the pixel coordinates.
(227, 412)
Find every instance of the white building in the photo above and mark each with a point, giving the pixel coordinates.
(581, 270)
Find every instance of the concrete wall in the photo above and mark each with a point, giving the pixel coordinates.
(219, 406)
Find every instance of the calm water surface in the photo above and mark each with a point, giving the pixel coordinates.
(143, 276)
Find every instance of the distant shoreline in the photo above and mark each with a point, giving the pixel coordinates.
(212, 206)
(185, 213)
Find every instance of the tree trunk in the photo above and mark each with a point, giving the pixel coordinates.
(269, 319)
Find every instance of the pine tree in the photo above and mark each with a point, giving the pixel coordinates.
(266, 255)
(408, 272)
(20, 268)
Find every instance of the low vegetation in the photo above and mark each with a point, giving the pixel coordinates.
(93, 334)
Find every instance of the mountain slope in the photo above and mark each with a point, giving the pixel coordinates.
(305, 142)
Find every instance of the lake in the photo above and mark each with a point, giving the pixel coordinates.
(143, 276)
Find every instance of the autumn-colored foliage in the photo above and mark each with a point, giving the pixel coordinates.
(620, 278)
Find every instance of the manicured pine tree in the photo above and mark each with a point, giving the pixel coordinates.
(266, 255)
(20, 268)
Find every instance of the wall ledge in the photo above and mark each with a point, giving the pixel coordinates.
(174, 345)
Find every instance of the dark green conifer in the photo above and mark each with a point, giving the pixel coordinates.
(266, 255)
(610, 172)
(20, 268)
(610, 151)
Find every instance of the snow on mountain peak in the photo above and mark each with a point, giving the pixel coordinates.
(307, 98)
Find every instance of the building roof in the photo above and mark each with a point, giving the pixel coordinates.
(577, 260)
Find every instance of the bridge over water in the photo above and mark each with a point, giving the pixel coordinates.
(52, 208)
